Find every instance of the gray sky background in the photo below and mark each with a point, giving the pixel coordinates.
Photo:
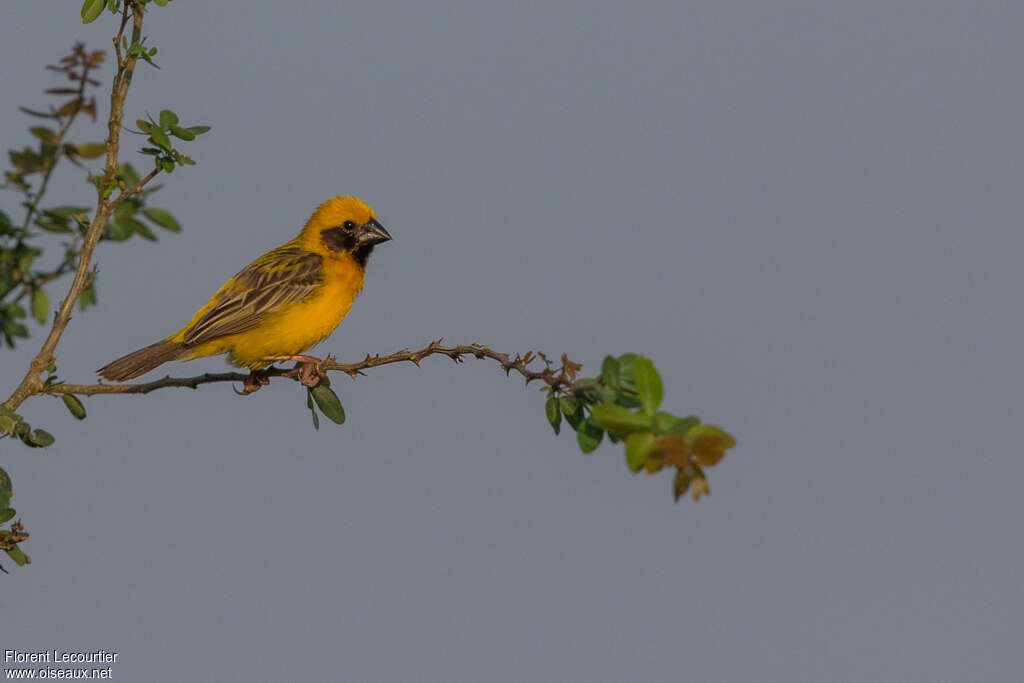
(807, 214)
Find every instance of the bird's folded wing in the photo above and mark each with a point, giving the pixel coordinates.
(281, 277)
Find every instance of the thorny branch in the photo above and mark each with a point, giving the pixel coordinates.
(561, 378)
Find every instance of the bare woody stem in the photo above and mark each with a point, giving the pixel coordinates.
(560, 378)
(32, 382)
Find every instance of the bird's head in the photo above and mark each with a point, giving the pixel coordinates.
(344, 226)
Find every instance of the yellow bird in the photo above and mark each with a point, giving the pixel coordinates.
(281, 304)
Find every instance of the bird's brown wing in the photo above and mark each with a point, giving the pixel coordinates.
(284, 276)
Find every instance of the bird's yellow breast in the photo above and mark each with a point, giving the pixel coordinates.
(297, 327)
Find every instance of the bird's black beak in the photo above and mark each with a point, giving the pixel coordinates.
(371, 233)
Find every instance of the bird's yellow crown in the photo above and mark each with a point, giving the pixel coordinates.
(331, 214)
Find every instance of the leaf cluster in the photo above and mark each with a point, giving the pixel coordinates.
(132, 217)
(623, 404)
(12, 424)
(160, 132)
(11, 537)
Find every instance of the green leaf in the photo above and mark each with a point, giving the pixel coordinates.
(7, 424)
(328, 402)
(143, 125)
(39, 114)
(87, 297)
(572, 408)
(26, 257)
(53, 226)
(15, 329)
(626, 362)
(162, 218)
(39, 438)
(69, 108)
(91, 150)
(589, 436)
(117, 231)
(161, 3)
(648, 384)
(5, 485)
(198, 130)
(7, 515)
(637, 446)
(682, 482)
(610, 372)
(553, 413)
(140, 228)
(592, 391)
(92, 9)
(15, 553)
(665, 423)
(44, 134)
(183, 133)
(148, 58)
(168, 118)
(312, 409)
(65, 211)
(709, 444)
(40, 305)
(74, 406)
(626, 389)
(619, 420)
(128, 175)
(159, 138)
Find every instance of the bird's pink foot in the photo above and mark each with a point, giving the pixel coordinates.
(252, 383)
(312, 368)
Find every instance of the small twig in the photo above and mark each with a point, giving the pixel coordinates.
(131, 191)
(561, 379)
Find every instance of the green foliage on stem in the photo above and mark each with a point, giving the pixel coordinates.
(10, 537)
(622, 403)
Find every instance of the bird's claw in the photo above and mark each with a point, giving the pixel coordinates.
(311, 369)
(311, 373)
(252, 383)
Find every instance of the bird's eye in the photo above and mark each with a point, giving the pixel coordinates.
(349, 225)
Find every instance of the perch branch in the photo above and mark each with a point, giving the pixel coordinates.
(560, 378)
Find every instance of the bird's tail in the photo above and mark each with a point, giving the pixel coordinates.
(142, 361)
